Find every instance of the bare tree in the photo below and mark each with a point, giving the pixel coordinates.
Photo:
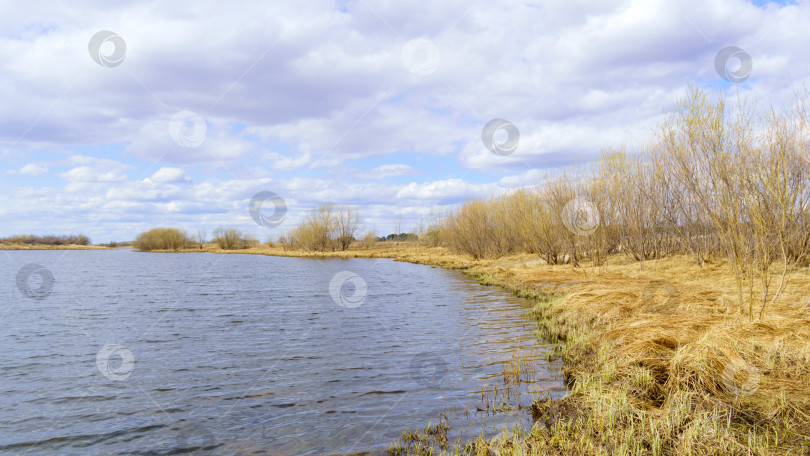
(200, 238)
(347, 222)
(229, 238)
(326, 228)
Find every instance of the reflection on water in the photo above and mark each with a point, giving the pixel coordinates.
(136, 353)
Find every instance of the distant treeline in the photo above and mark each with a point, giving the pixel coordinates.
(401, 237)
(31, 239)
(177, 239)
(326, 229)
(113, 244)
(331, 228)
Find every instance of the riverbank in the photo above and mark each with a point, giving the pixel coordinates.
(659, 358)
(4, 246)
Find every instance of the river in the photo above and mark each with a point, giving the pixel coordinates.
(123, 352)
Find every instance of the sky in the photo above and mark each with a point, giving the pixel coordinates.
(116, 117)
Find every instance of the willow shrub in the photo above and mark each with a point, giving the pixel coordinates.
(162, 239)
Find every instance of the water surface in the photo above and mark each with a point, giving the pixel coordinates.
(149, 353)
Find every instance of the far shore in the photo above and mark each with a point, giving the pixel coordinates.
(52, 247)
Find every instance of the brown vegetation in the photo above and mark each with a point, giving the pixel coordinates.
(162, 239)
(327, 228)
(229, 239)
(684, 322)
(49, 240)
(659, 360)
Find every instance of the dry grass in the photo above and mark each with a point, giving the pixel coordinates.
(11, 246)
(396, 250)
(660, 361)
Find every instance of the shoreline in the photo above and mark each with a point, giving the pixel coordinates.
(52, 247)
(657, 356)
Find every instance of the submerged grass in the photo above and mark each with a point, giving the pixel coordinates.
(658, 360)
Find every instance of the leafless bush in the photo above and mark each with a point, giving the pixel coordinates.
(162, 239)
(200, 238)
(327, 228)
(370, 239)
(233, 239)
(30, 239)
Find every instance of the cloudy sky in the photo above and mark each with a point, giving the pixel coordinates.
(120, 116)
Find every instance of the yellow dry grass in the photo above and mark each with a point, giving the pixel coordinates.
(4, 246)
(662, 361)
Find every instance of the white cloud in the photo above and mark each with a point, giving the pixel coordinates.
(446, 191)
(88, 174)
(299, 101)
(94, 170)
(392, 170)
(31, 169)
(168, 175)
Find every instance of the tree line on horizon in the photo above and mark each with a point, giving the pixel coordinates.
(32, 239)
(326, 228)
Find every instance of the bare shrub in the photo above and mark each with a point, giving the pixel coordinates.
(326, 228)
(233, 239)
(162, 239)
(31, 239)
(370, 239)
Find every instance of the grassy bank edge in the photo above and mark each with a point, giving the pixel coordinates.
(52, 247)
(602, 414)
